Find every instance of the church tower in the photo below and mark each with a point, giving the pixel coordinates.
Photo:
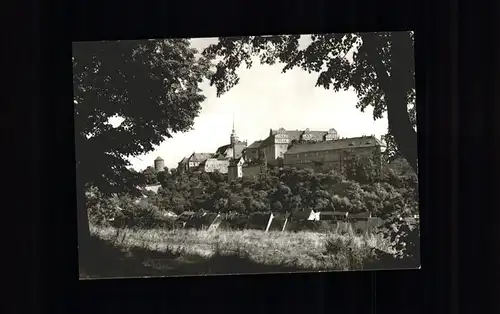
(233, 140)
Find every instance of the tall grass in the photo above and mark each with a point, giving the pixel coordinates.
(300, 250)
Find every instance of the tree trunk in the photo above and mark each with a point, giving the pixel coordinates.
(396, 88)
(402, 80)
(401, 128)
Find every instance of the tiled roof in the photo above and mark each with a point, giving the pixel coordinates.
(200, 156)
(184, 160)
(158, 158)
(296, 134)
(255, 144)
(367, 141)
(222, 149)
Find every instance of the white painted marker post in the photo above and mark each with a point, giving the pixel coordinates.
(271, 217)
(284, 225)
(215, 224)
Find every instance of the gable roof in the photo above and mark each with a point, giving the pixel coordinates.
(255, 144)
(223, 149)
(217, 159)
(184, 160)
(200, 156)
(363, 141)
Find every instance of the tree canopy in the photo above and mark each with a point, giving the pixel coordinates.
(151, 89)
(364, 187)
(150, 86)
(378, 66)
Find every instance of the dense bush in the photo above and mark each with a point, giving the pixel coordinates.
(346, 254)
(122, 211)
(403, 230)
(101, 210)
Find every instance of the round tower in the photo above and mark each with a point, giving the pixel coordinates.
(159, 164)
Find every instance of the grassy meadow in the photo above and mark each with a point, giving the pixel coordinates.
(158, 252)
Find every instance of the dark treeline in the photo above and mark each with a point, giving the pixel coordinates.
(362, 187)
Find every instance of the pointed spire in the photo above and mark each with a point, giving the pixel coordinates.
(233, 122)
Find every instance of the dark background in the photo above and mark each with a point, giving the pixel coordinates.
(458, 140)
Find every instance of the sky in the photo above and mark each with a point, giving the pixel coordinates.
(264, 99)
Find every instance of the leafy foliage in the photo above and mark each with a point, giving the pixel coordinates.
(247, 203)
(403, 230)
(122, 211)
(150, 88)
(128, 96)
(291, 191)
(150, 175)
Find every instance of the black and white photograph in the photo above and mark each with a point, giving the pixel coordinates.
(246, 155)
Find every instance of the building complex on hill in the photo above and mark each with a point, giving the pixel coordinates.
(227, 159)
(232, 150)
(321, 150)
(274, 147)
(330, 155)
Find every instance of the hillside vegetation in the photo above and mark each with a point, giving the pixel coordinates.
(129, 224)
